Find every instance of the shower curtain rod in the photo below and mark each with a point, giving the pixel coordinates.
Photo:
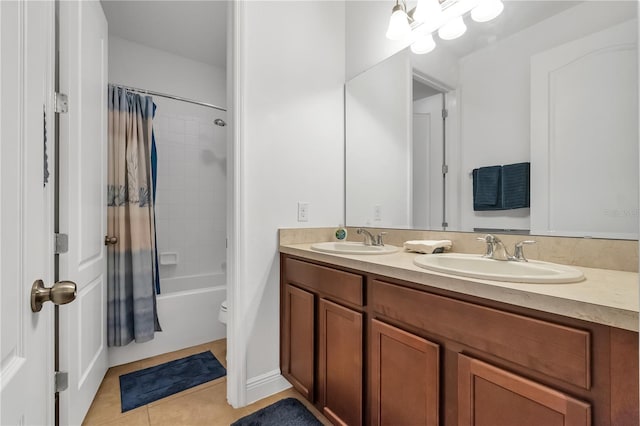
(164, 95)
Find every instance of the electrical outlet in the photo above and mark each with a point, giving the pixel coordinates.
(377, 213)
(303, 211)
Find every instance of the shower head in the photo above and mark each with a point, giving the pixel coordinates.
(219, 122)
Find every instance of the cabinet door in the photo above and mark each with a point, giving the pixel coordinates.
(490, 396)
(405, 377)
(298, 339)
(340, 368)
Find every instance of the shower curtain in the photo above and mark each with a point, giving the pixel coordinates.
(132, 270)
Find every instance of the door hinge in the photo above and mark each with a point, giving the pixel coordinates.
(61, 379)
(61, 103)
(445, 113)
(61, 243)
(445, 169)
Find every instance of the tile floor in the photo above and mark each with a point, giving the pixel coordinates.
(205, 404)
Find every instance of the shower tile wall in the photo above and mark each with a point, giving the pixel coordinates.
(191, 200)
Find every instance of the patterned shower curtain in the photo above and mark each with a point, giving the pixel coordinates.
(132, 270)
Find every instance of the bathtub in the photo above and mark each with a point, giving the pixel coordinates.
(188, 313)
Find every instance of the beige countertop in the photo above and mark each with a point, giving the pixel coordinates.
(606, 296)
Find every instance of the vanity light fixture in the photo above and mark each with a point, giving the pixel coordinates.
(423, 43)
(427, 9)
(487, 10)
(399, 24)
(444, 16)
(452, 29)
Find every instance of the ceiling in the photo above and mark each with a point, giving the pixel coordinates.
(194, 29)
(197, 29)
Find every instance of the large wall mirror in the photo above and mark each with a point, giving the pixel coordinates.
(550, 83)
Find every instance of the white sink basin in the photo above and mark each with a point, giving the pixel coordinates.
(348, 247)
(476, 266)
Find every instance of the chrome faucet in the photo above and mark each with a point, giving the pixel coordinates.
(369, 239)
(496, 249)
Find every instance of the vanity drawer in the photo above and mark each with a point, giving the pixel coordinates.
(555, 350)
(330, 282)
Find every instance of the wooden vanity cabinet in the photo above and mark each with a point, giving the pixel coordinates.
(322, 336)
(340, 363)
(491, 396)
(503, 365)
(425, 356)
(298, 343)
(405, 377)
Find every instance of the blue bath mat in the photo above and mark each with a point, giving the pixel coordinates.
(286, 412)
(150, 384)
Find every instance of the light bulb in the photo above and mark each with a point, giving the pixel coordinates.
(452, 29)
(398, 24)
(427, 10)
(423, 44)
(487, 10)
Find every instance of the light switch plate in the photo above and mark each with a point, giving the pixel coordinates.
(303, 211)
(377, 213)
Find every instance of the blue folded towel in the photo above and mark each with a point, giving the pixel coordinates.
(515, 186)
(486, 188)
(501, 187)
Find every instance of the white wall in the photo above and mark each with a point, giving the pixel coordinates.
(140, 66)
(504, 92)
(289, 147)
(191, 194)
(378, 131)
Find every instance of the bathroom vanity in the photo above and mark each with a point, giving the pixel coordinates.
(375, 340)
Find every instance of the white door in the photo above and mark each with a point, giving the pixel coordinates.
(584, 120)
(426, 155)
(83, 195)
(26, 212)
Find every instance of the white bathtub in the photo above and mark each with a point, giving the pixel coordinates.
(188, 313)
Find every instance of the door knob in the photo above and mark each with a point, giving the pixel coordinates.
(60, 293)
(110, 240)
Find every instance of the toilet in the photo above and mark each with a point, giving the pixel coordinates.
(222, 314)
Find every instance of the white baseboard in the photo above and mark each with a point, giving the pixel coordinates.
(265, 385)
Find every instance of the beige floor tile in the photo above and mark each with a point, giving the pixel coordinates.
(132, 418)
(205, 404)
(106, 404)
(205, 407)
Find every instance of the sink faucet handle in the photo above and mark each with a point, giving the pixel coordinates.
(379, 241)
(518, 253)
(489, 238)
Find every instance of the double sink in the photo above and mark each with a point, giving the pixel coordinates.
(468, 265)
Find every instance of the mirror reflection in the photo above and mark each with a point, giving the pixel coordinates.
(548, 84)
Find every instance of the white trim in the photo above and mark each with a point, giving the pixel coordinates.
(265, 385)
(236, 340)
(50, 196)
